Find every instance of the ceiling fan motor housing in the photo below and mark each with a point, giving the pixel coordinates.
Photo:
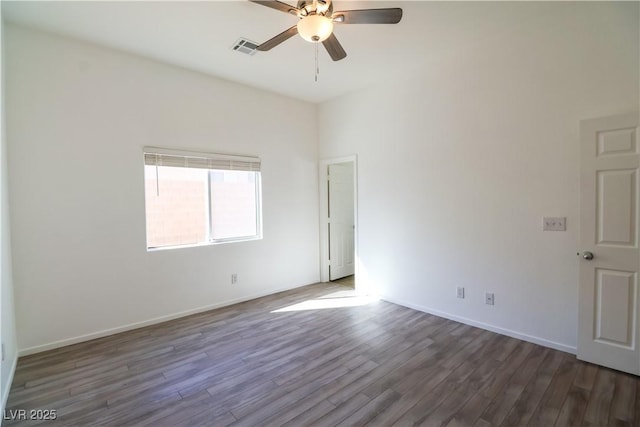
(321, 7)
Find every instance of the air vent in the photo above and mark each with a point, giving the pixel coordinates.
(245, 46)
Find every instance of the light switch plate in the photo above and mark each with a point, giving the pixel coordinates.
(554, 223)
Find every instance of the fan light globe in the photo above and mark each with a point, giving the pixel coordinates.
(315, 28)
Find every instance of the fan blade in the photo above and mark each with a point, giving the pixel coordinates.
(278, 5)
(333, 46)
(368, 16)
(285, 35)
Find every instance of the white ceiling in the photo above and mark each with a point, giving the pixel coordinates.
(199, 36)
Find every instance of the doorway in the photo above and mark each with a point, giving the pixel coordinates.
(338, 217)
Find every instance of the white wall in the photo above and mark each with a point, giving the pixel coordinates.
(458, 164)
(78, 117)
(7, 318)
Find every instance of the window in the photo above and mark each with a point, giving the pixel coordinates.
(200, 198)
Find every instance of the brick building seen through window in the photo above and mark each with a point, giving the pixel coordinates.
(191, 206)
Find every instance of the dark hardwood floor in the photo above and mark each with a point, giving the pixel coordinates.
(270, 362)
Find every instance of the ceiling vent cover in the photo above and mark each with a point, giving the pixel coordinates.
(245, 46)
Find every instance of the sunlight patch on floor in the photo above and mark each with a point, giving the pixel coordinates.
(347, 293)
(340, 299)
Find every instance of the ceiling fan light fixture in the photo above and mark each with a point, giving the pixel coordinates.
(315, 28)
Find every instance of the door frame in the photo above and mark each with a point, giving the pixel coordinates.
(324, 213)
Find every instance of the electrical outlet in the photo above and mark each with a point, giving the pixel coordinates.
(234, 278)
(555, 223)
(488, 298)
(460, 292)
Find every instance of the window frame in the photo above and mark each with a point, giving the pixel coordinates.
(258, 196)
(254, 166)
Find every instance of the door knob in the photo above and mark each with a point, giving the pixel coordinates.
(587, 255)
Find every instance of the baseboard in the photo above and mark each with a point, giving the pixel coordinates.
(88, 337)
(7, 388)
(502, 331)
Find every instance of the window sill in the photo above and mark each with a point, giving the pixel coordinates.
(197, 245)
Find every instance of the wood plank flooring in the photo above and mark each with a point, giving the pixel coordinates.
(278, 361)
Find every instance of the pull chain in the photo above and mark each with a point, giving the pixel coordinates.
(317, 67)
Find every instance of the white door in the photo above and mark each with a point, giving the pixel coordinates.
(341, 220)
(608, 290)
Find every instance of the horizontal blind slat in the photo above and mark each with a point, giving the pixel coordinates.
(220, 162)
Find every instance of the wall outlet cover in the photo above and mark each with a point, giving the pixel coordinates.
(488, 298)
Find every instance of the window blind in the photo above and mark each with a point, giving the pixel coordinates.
(187, 159)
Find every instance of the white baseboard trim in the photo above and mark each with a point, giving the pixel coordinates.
(7, 388)
(88, 337)
(502, 331)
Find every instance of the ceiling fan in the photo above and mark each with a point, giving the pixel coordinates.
(316, 19)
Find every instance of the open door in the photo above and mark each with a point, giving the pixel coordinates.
(609, 259)
(341, 223)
